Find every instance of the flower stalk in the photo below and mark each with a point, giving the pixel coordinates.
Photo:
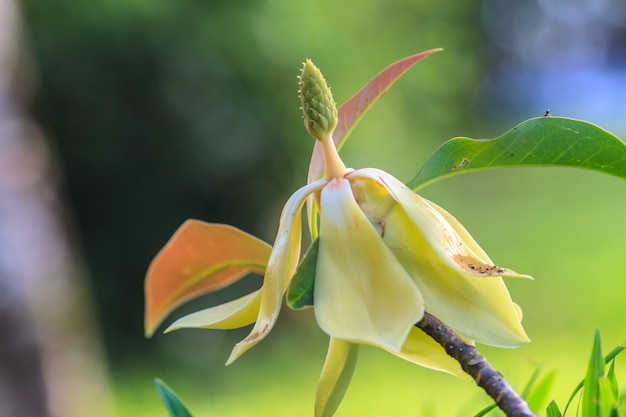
(475, 365)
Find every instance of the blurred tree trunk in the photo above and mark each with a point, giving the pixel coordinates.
(50, 359)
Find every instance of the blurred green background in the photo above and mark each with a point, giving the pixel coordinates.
(160, 111)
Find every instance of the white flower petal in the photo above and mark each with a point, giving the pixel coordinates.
(336, 375)
(232, 315)
(362, 293)
(280, 267)
(428, 242)
(457, 251)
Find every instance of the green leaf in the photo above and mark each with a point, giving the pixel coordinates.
(613, 354)
(300, 291)
(539, 394)
(606, 400)
(173, 404)
(608, 358)
(591, 389)
(531, 382)
(486, 410)
(553, 410)
(613, 379)
(543, 141)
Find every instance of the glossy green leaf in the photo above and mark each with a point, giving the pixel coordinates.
(543, 141)
(300, 291)
(173, 404)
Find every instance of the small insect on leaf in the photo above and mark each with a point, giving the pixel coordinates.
(463, 164)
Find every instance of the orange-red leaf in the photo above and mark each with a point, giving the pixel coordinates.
(199, 258)
(352, 110)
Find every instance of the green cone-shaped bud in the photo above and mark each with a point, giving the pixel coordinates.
(318, 107)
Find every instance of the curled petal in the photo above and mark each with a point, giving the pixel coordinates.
(455, 247)
(232, 315)
(280, 268)
(469, 241)
(495, 295)
(336, 375)
(362, 293)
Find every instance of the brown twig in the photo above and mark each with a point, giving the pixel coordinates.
(474, 364)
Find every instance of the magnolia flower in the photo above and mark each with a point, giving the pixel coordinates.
(384, 256)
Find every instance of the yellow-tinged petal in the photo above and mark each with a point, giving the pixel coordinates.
(199, 258)
(442, 236)
(497, 295)
(422, 350)
(336, 375)
(362, 293)
(468, 240)
(232, 315)
(478, 307)
(280, 268)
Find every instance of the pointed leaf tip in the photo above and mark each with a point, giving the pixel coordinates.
(198, 259)
(175, 407)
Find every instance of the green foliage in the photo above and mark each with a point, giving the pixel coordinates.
(543, 141)
(553, 410)
(592, 393)
(538, 393)
(601, 393)
(302, 286)
(600, 396)
(173, 404)
(595, 374)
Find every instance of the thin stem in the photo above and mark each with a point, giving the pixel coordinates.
(334, 166)
(475, 365)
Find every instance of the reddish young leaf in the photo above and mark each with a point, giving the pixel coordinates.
(199, 258)
(350, 112)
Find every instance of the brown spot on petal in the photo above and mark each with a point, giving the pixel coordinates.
(256, 335)
(475, 266)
